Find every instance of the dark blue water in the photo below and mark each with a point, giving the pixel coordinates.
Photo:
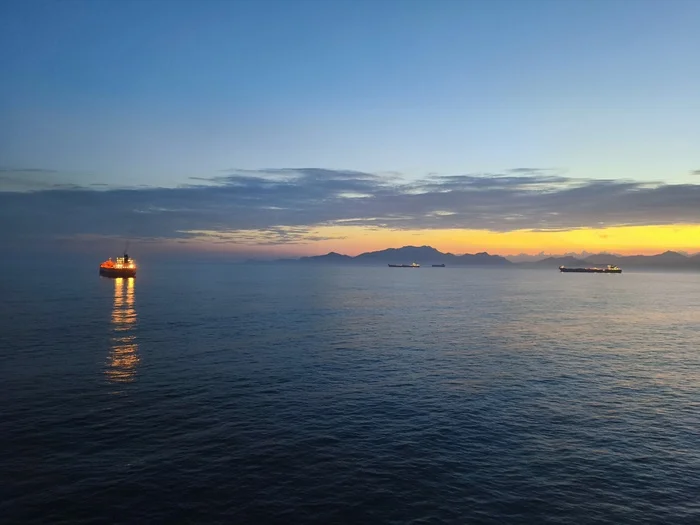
(232, 394)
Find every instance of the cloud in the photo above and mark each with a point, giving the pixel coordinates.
(284, 206)
(695, 172)
(29, 179)
(25, 170)
(262, 237)
(527, 170)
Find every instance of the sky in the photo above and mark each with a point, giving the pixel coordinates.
(304, 126)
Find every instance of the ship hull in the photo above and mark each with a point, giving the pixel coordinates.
(588, 270)
(118, 272)
(403, 266)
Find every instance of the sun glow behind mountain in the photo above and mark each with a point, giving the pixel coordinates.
(353, 240)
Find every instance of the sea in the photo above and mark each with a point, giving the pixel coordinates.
(227, 393)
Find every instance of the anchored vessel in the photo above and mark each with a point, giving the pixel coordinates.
(609, 269)
(439, 265)
(122, 267)
(412, 265)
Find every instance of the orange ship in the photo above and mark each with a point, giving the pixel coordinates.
(122, 267)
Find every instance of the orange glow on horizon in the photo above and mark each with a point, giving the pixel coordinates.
(353, 240)
(624, 240)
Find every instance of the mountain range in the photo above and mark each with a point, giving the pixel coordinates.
(427, 255)
(664, 261)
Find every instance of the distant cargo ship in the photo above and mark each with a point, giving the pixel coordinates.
(609, 269)
(439, 265)
(122, 267)
(412, 265)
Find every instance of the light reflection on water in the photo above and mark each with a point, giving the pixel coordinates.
(123, 357)
(351, 395)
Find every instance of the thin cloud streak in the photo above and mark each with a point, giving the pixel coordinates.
(25, 170)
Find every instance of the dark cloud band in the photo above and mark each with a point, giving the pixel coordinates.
(295, 200)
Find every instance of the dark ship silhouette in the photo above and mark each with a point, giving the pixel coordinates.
(609, 269)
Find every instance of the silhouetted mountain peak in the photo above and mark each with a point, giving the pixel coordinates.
(331, 257)
(668, 254)
(405, 251)
(666, 260)
(406, 254)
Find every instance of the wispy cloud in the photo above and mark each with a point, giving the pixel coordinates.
(27, 179)
(25, 170)
(283, 206)
(272, 236)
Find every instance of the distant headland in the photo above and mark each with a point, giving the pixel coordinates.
(427, 255)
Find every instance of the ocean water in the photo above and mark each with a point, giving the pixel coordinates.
(214, 393)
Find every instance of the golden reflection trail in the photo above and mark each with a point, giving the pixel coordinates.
(123, 357)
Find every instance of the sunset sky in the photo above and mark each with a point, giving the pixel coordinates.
(300, 127)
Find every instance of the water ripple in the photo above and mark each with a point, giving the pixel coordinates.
(297, 395)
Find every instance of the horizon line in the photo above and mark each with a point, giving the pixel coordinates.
(582, 255)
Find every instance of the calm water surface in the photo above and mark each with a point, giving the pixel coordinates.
(244, 394)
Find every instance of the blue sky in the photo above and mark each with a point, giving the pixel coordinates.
(155, 92)
(304, 126)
